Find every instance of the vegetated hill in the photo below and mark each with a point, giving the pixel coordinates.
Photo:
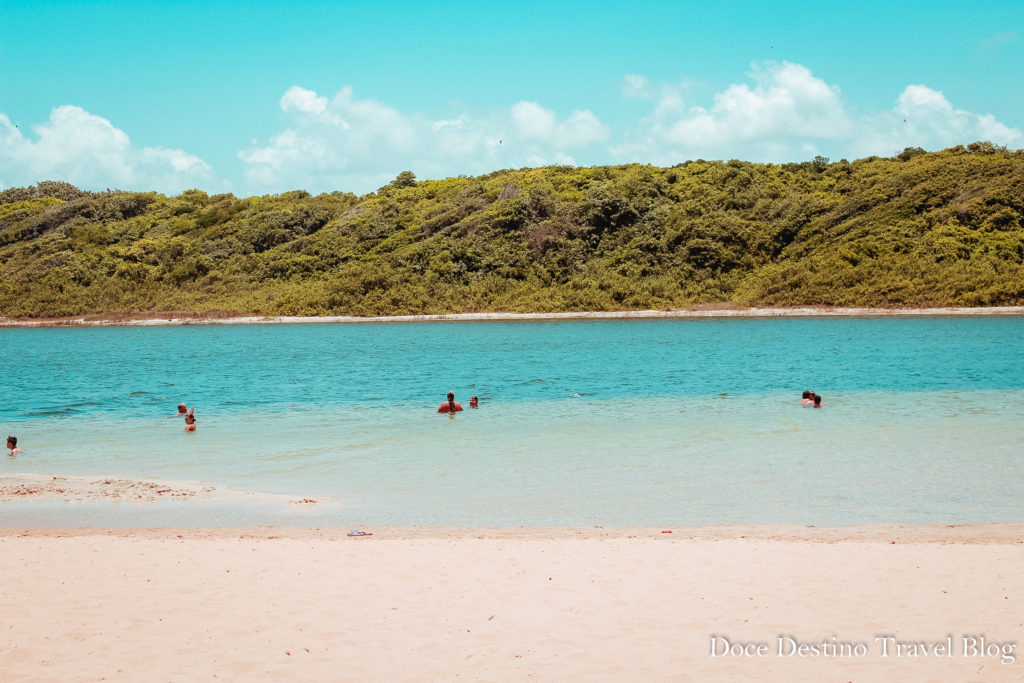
(919, 229)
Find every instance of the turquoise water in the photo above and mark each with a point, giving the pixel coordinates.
(662, 422)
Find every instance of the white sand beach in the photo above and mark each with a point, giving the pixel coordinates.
(703, 311)
(564, 604)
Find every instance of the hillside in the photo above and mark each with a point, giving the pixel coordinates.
(918, 229)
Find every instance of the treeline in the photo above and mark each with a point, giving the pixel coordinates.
(917, 229)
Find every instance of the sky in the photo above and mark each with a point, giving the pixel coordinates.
(266, 97)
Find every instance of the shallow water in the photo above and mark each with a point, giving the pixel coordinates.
(581, 422)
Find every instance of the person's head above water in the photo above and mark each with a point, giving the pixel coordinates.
(807, 394)
(474, 402)
(449, 405)
(817, 401)
(182, 408)
(12, 442)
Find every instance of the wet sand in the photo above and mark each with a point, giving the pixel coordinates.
(49, 488)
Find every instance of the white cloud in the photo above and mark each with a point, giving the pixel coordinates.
(534, 122)
(582, 128)
(787, 108)
(90, 152)
(635, 85)
(300, 99)
(358, 145)
(923, 117)
(787, 113)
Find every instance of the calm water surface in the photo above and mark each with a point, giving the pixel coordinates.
(581, 422)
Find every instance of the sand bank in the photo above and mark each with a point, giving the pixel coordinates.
(150, 319)
(77, 489)
(511, 604)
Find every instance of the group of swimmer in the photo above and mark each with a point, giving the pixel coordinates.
(450, 406)
(190, 416)
(811, 399)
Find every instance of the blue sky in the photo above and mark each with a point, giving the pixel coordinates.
(261, 97)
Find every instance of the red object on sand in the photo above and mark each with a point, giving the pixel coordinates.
(667, 532)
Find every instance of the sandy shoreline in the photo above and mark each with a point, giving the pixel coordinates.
(616, 604)
(146, 320)
(47, 488)
(994, 533)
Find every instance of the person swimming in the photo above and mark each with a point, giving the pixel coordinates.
(474, 402)
(450, 406)
(806, 398)
(190, 420)
(12, 445)
(817, 401)
(182, 409)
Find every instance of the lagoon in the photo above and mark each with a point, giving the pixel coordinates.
(582, 422)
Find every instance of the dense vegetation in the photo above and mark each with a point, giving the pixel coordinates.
(918, 229)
